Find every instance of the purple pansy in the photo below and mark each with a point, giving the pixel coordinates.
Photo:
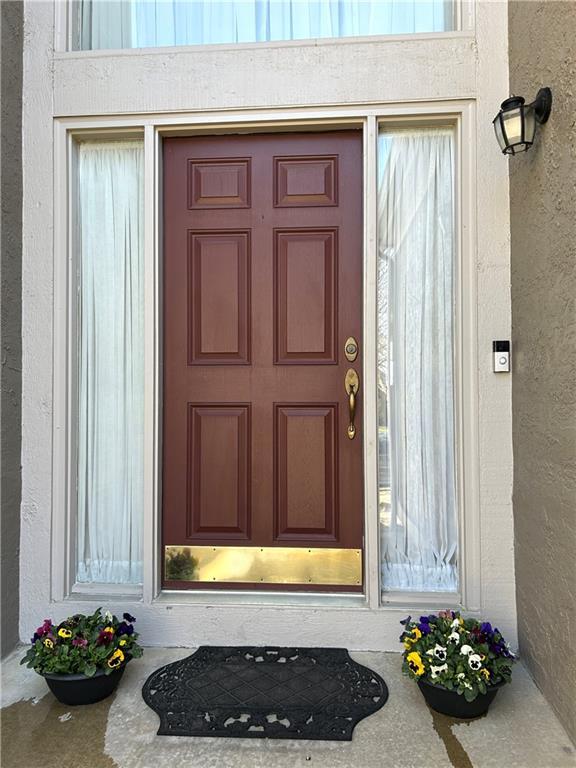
(127, 617)
(424, 625)
(125, 629)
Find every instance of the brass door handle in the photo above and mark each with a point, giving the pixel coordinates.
(352, 384)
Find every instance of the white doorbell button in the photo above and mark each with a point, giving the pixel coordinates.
(501, 355)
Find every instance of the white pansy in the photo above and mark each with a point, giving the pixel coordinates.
(436, 670)
(460, 675)
(455, 624)
(454, 637)
(465, 650)
(430, 652)
(108, 616)
(440, 652)
(474, 661)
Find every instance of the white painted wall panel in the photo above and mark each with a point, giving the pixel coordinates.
(295, 74)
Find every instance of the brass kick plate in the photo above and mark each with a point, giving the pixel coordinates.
(264, 565)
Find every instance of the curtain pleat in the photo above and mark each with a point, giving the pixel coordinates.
(151, 23)
(418, 517)
(111, 374)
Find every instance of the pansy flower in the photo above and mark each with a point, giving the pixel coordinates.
(44, 629)
(116, 659)
(64, 633)
(435, 671)
(105, 638)
(424, 625)
(128, 617)
(474, 661)
(80, 642)
(440, 652)
(125, 629)
(415, 663)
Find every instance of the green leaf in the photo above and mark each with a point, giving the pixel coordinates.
(89, 670)
(469, 694)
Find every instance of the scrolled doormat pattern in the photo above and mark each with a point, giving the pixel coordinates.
(275, 693)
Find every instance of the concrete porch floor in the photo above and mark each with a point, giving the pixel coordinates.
(520, 730)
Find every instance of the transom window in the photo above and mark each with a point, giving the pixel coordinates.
(99, 24)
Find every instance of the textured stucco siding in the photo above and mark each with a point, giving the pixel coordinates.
(11, 245)
(543, 230)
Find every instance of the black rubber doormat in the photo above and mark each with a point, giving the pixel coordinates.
(255, 693)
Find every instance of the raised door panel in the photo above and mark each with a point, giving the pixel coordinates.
(218, 471)
(219, 298)
(305, 316)
(306, 471)
(305, 182)
(219, 183)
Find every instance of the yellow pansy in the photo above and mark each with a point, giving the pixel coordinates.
(109, 629)
(416, 635)
(48, 643)
(415, 663)
(485, 673)
(65, 633)
(122, 642)
(116, 659)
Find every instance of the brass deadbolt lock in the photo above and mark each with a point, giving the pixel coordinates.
(351, 349)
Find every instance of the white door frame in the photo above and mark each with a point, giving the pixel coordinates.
(153, 127)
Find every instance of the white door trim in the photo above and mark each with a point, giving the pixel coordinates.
(154, 126)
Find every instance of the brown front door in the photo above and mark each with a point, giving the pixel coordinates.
(262, 485)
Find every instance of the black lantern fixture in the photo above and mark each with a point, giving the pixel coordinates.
(515, 124)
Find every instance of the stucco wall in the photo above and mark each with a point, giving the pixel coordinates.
(11, 244)
(470, 65)
(543, 229)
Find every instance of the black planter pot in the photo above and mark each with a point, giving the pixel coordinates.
(451, 703)
(79, 689)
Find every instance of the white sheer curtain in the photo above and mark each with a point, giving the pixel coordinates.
(419, 529)
(144, 23)
(111, 374)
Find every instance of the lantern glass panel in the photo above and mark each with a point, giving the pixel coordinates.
(513, 126)
(499, 134)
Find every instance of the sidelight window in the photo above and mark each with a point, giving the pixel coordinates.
(417, 489)
(148, 23)
(110, 319)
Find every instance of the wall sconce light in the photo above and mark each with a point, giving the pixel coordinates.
(515, 124)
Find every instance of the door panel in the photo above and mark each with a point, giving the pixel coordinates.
(305, 320)
(262, 287)
(219, 471)
(219, 298)
(306, 472)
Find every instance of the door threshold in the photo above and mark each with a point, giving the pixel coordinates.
(261, 598)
